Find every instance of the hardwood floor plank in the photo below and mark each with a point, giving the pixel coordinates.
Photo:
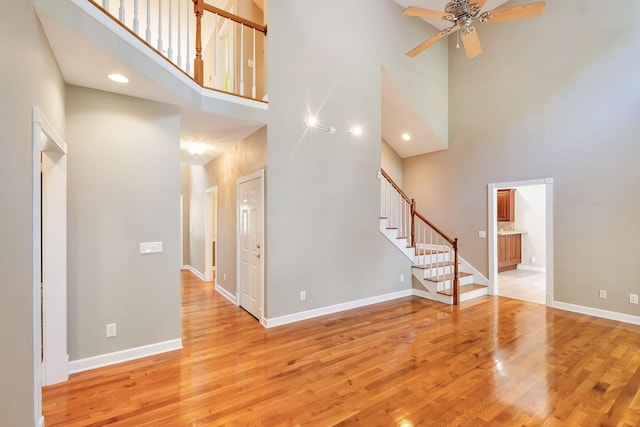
(492, 361)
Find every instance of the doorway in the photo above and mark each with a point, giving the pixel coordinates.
(250, 243)
(210, 233)
(527, 275)
(49, 258)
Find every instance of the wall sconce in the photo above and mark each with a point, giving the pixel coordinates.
(312, 122)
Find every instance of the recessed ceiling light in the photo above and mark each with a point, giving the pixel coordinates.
(118, 78)
(406, 137)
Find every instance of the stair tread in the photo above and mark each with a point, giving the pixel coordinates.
(402, 237)
(445, 277)
(392, 228)
(463, 289)
(384, 217)
(435, 265)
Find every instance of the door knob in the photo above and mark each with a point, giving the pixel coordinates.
(258, 246)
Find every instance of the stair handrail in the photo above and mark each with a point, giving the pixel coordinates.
(192, 48)
(452, 241)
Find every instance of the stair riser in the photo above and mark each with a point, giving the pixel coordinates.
(432, 259)
(430, 272)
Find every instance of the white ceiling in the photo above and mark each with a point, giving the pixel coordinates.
(399, 116)
(439, 5)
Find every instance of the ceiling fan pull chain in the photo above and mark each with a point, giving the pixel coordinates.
(458, 40)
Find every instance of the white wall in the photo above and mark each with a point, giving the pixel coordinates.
(323, 194)
(29, 76)
(123, 184)
(391, 163)
(530, 216)
(556, 96)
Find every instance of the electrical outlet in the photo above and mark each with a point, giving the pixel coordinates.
(401, 278)
(603, 294)
(303, 295)
(633, 298)
(111, 330)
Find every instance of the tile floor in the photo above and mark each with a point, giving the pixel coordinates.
(523, 285)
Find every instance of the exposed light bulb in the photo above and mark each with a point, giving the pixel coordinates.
(356, 131)
(312, 121)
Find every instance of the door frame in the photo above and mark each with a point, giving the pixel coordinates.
(210, 194)
(493, 231)
(256, 175)
(46, 143)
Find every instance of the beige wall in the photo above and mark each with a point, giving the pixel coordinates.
(549, 99)
(123, 189)
(391, 163)
(29, 76)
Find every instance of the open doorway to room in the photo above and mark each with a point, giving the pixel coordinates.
(49, 258)
(521, 240)
(210, 233)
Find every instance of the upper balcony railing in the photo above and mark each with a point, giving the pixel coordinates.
(213, 46)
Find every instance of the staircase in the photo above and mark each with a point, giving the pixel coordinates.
(437, 266)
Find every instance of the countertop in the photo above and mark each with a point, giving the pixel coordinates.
(510, 232)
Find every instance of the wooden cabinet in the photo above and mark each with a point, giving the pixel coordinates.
(506, 205)
(509, 251)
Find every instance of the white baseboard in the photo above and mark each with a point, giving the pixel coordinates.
(531, 268)
(99, 361)
(322, 311)
(40, 422)
(605, 314)
(228, 295)
(196, 272)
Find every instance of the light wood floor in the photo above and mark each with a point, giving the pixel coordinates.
(408, 362)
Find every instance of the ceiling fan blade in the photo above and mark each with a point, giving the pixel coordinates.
(424, 13)
(422, 46)
(524, 11)
(471, 43)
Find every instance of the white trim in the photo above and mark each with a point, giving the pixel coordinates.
(492, 218)
(209, 195)
(597, 312)
(108, 359)
(531, 268)
(54, 309)
(259, 174)
(194, 271)
(40, 422)
(323, 311)
(181, 264)
(228, 295)
(478, 277)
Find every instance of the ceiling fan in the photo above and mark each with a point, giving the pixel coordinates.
(463, 14)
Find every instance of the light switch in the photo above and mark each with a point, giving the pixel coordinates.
(150, 248)
(482, 234)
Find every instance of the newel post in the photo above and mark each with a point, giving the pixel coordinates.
(413, 222)
(198, 65)
(456, 280)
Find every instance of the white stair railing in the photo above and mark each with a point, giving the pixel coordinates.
(435, 252)
(229, 56)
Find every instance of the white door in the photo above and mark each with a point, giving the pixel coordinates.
(249, 245)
